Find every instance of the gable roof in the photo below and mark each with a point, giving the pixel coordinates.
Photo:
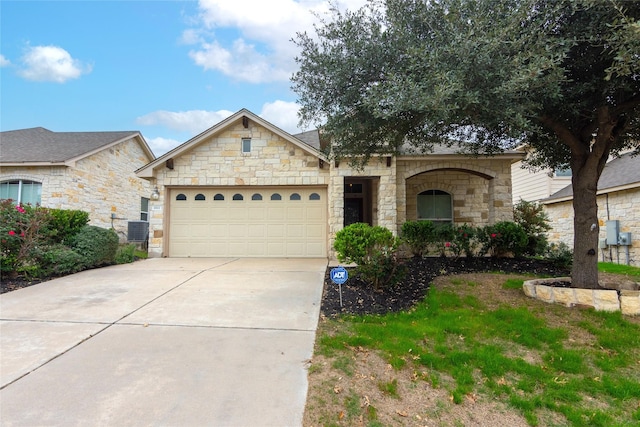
(147, 170)
(619, 174)
(42, 146)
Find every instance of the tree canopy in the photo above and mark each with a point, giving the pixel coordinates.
(561, 76)
(490, 73)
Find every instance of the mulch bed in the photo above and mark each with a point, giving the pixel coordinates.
(359, 297)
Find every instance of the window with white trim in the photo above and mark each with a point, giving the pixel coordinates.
(22, 191)
(435, 206)
(144, 208)
(246, 145)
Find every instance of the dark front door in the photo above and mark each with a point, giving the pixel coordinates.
(353, 211)
(357, 201)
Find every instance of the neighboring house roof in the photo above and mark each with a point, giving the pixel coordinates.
(147, 170)
(619, 174)
(42, 146)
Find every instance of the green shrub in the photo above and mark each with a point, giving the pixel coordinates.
(20, 231)
(503, 239)
(535, 222)
(559, 254)
(64, 224)
(418, 235)
(58, 260)
(97, 245)
(463, 240)
(372, 249)
(126, 254)
(443, 237)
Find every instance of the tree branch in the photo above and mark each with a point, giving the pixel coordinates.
(629, 104)
(563, 133)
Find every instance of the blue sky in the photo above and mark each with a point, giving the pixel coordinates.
(169, 69)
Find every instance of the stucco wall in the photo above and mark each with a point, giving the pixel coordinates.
(621, 205)
(101, 184)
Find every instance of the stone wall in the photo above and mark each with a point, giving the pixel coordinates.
(481, 187)
(101, 184)
(621, 205)
(219, 161)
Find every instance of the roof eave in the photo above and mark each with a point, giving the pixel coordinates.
(147, 171)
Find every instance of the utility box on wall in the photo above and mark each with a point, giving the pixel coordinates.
(624, 239)
(613, 229)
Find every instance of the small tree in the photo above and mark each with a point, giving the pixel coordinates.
(535, 222)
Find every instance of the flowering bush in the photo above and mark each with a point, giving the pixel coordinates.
(463, 240)
(503, 239)
(20, 230)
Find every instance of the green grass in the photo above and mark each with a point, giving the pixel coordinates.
(479, 349)
(610, 267)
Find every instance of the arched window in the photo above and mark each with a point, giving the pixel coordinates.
(256, 197)
(22, 191)
(238, 196)
(218, 197)
(436, 206)
(276, 196)
(314, 196)
(200, 197)
(181, 197)
(294, 196)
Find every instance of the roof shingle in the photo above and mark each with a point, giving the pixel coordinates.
(42, 145)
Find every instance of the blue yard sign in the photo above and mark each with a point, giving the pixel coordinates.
(339, 275)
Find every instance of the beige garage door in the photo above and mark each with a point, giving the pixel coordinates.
(248, 222)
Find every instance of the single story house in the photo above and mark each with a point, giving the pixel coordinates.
(89, 171)
(245, 188)
(618, 211)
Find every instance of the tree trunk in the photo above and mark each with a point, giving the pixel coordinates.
(584, 272)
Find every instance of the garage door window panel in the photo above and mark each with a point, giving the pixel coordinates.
(200, 197)
(238, 197)
(218, 197)
(276, 196)
(181, 197)
(256, 197)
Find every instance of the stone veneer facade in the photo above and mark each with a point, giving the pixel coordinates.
(217, 160)
(102, 184)
(621, 205)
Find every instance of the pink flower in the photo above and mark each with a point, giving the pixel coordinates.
(493, 235)
(20, 209)
(22, 234)
(447, 244)
(12, 233)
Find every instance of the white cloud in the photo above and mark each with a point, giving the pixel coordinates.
(160, 145)
(194, 121)
(264, 51)
(4, 62)
(282, 114)
(51, 64)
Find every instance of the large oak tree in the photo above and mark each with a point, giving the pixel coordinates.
(561, 76)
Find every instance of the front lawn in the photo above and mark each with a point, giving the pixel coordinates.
(476, 351)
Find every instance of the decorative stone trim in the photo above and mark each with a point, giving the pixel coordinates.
(628, 302)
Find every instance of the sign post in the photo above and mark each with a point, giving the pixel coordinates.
(339, 275)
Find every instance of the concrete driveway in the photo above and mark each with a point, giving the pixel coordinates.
(165, 341)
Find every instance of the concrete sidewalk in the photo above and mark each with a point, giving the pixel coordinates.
(165, 341)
